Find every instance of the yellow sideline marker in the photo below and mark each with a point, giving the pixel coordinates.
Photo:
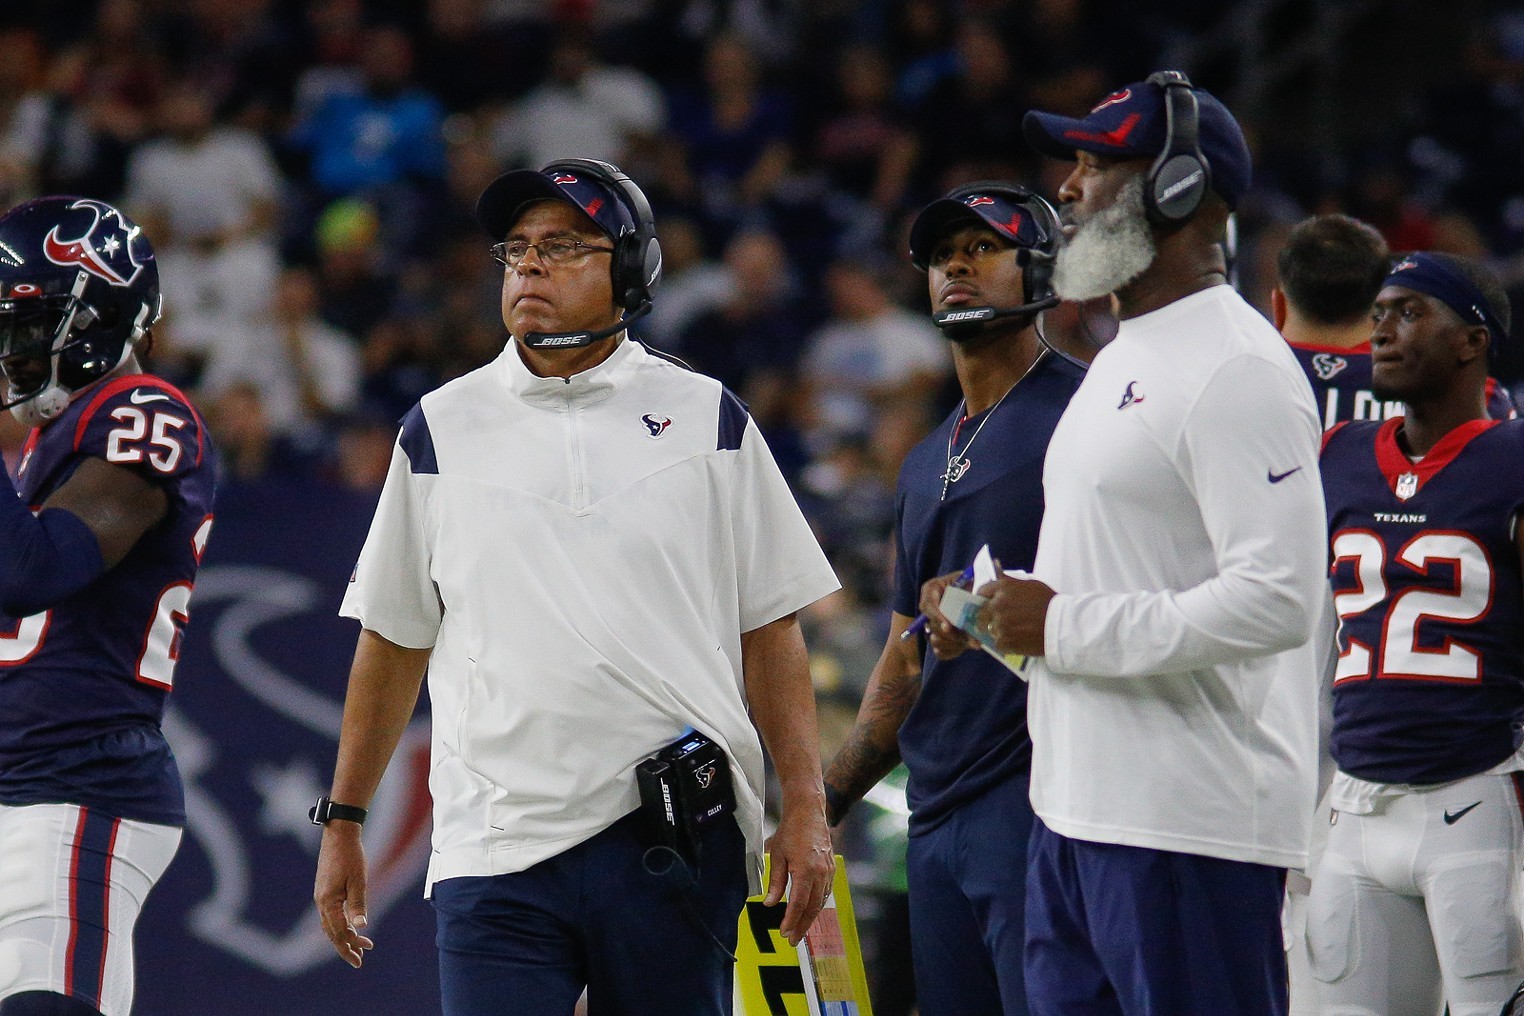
(822, 976)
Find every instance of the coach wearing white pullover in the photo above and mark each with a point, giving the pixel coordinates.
(1177, 611)
(590, 549)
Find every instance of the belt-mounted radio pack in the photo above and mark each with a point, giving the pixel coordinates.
(683, 788)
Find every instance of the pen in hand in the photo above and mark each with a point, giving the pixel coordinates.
(919, 624)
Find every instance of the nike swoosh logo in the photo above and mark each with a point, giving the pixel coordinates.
(1278, 477)
(139, 397)
(1453, 817)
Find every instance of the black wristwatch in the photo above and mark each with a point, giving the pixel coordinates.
(326, 811)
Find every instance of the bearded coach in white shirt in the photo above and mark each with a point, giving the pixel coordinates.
(1177, 615)
(591, 550)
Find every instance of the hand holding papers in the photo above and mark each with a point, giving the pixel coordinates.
(961, 608)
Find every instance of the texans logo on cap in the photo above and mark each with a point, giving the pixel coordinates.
(563, 178)
(1113, 99)
(1404, 265)
(979, 199)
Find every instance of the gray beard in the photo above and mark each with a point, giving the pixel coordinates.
(1108, 251)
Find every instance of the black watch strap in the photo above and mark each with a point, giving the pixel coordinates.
(326, 811)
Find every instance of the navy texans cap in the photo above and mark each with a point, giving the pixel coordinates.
(1131, 123)
(971, 204)
(505, 199)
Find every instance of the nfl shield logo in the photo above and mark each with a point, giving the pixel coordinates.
(1407, 486)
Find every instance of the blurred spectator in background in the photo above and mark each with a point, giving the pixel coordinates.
(469, 59)
(921, 48)
(363, 453)
(248, 450)
(334, 30)
(23, 70)
(735, 132)
(583, 109)
(1470, 141)
(210, 193)
(969, 126)
(691, 283)
(73, 135)
(862, 143)
(243, 55)
(354, 292)
(381, 140)
(759, 329)
(870, 353)
(306, 371)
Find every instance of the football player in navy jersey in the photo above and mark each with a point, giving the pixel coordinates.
(1414, 903)
(1329, 272)
(104, 526)
(960, 724)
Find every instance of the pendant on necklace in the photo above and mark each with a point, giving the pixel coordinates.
(956, 467)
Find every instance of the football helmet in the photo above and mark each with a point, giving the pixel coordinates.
(78, 289)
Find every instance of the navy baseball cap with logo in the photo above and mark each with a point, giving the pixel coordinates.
(1131, 123)
(505, 199)
(973, 205)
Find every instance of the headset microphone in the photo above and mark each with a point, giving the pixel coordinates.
(965, 316)
(576, 340)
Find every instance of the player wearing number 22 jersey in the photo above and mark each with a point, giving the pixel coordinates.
(101, 532)
(1410, 907)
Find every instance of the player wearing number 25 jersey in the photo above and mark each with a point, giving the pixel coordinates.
(101, 533)
(1414, 905)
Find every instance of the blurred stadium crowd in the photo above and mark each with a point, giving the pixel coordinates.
(306, 170)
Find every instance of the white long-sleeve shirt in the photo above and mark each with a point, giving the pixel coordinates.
(1184, 533)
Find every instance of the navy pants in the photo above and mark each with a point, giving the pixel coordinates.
(1128, 931)
(967, 878)
(526, 943)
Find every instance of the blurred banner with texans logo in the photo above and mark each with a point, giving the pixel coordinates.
(254, 721)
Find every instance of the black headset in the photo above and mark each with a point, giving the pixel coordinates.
(1180, 176)
(636, 265)
(1036, 262)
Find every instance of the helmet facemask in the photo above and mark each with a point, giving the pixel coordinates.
(46, 351)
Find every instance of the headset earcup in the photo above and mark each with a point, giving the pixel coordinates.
(650, 266)
(1175, 189)
(1037, 277)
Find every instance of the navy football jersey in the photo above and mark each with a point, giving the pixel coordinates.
(83, 684)
(968, 728)
(1341, 383)
(1429, 685)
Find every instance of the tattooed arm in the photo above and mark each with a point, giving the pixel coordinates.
(872, 748)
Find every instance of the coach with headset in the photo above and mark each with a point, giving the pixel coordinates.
(1179, 613)
(590, 550)
(960, 725)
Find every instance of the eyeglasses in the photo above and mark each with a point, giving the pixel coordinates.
(556, 250)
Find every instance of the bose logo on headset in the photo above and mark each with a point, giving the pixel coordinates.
(1180, 176)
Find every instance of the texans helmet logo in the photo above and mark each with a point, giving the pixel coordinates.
(104, 249)
(657, 425)
(1326, 365)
